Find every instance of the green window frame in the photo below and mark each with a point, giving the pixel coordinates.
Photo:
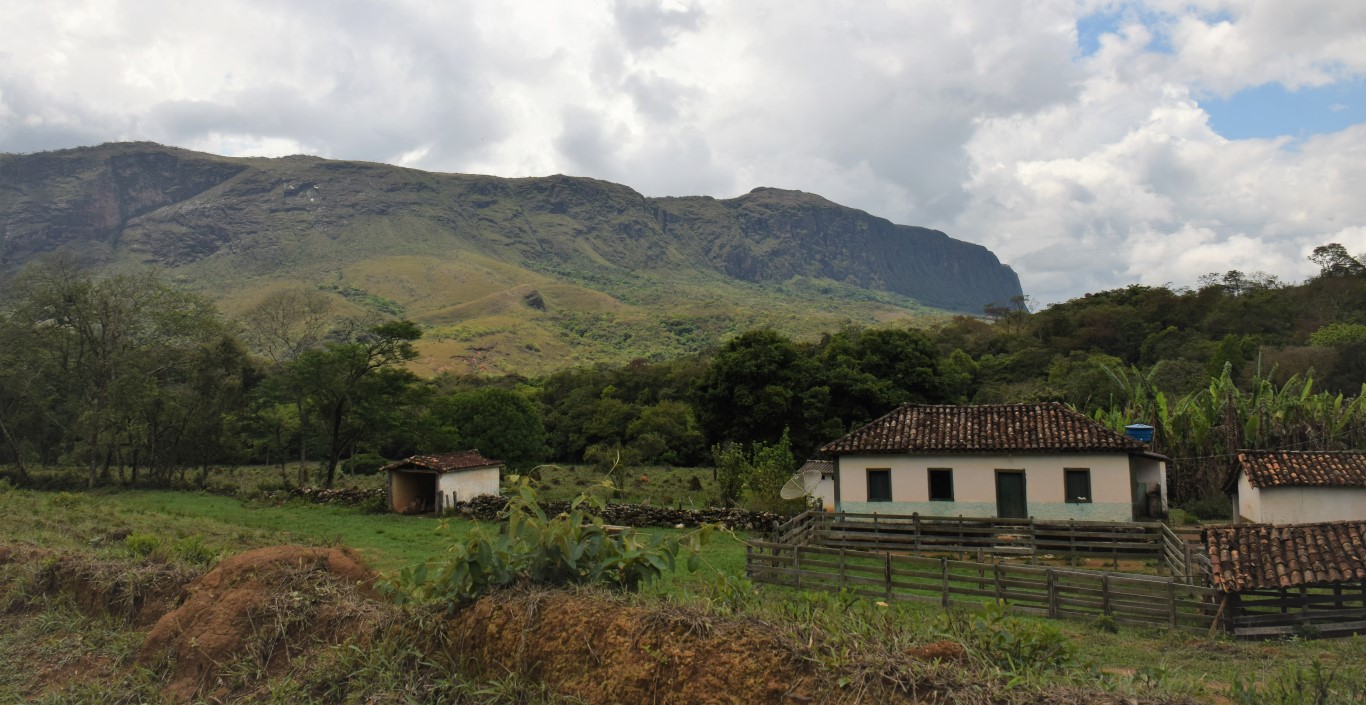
(879, 485)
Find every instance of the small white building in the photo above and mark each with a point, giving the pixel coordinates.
(1298, 487)
(1003, 460)
(433, 483)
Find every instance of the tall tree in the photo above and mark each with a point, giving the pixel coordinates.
(500, 423)
(350, 385)
(282, 326)
(107, 348)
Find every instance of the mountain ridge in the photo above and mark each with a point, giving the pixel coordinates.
(220, 223)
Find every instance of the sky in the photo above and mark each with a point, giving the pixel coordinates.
(1090, 144)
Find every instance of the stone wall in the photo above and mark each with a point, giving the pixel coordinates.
(487, 508)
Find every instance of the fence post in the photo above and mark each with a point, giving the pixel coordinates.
(996, 573)
(797, 566)
(1105, 594)
(1190, 563)
(944, 578)
(1033, 544)
(887, 574)
(1052, 584)
(915, 523)
(749, 562)
(1171, 602)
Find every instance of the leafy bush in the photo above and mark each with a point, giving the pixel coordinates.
(1013, 644)
(142, 545)
(1295, 685)
(1180, 517)
(1338, 334)
(364, 464)
(574, 547)
(1209, 508)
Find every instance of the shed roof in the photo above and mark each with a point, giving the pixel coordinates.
(444, 462)
(992, 428)
(824, 467)
(1260, 556)
(1303, 468)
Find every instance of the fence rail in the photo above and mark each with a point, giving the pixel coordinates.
(1028, 589)
(994, 537)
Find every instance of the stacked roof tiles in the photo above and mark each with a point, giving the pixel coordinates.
(1262, 556)
(444, 462)
(994, 428)
(1287, 468)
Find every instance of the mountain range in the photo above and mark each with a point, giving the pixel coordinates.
(507, 274)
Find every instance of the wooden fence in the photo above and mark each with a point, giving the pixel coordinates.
(1029, 589)
(998, 538)
(1328, 611)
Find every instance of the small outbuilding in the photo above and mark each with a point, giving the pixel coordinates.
(1294, 487)
(430, 484)
(1300, 579)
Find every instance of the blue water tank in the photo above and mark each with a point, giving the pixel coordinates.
(1139, 432)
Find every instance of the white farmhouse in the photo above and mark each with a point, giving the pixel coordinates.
(1297, 487)
(1003, 460)
(432, 483)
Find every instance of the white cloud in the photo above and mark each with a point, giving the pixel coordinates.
(980, 118)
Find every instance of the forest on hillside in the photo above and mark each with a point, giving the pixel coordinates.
(134, 381)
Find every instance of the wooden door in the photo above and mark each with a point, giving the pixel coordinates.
(1010, 495)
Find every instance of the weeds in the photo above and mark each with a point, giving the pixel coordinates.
(571, 548)
(1296, 685)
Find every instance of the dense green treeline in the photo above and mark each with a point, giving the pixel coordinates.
(134, 381)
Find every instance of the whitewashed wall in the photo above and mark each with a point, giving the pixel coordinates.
(974, 484)
(464, 485)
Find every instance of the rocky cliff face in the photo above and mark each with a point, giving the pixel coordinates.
(174, 207)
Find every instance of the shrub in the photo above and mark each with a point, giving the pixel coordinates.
(364, 464)
(142, 545)
(1013, 644)
(1295, 685)
(1209, 508)
(573, 547)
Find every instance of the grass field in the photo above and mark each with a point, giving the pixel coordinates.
(199, 528)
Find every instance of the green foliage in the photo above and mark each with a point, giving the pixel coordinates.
(571, 548)
(1296, 685)
(1016, 645)
(1339, 334)
(1209, 508)
(142, 545)
(1105, 624)
(500, 423)
(364, 464)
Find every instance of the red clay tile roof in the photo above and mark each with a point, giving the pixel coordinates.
(1260, 556)
(444, 462)
(995, 428)
(1303, 468)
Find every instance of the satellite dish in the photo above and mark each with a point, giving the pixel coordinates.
(802, 484)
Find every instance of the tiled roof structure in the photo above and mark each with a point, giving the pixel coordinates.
(1303, 468)
(1260, 556)
(994, 428)
(444, 462)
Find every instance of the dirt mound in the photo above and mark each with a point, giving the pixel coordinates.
(590, 646)
(263, 606)
(138, 592)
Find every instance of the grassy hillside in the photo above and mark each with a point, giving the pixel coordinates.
(518, 275)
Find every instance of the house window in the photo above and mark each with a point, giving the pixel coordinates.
(1078, 485)
(941, 484)
(879, 485)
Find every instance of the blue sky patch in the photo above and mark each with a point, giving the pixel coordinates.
(1271, 110)
(1093, 26)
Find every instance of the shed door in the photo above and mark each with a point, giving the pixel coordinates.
(1010, 495)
